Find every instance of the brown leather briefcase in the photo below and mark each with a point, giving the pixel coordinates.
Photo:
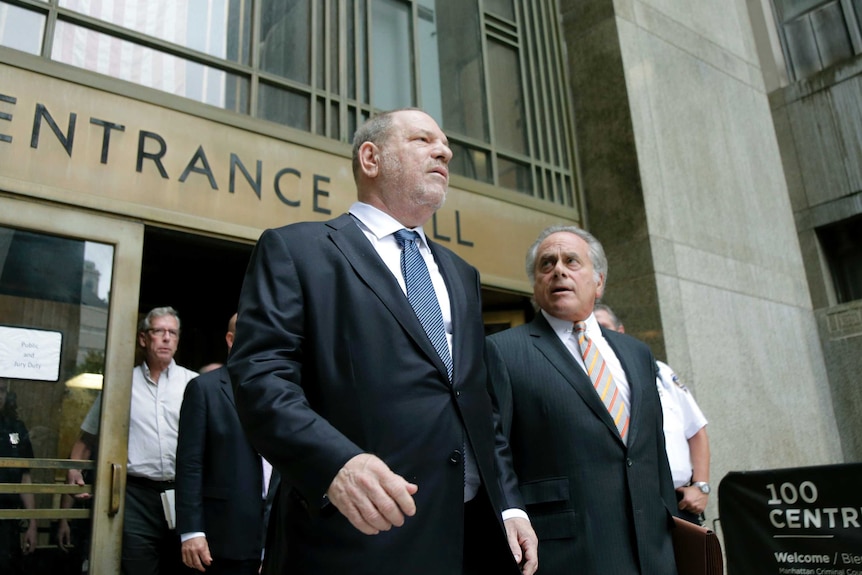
(697, 549)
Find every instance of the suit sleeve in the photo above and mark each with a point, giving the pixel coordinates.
(266, 366)
(191, 444)
(500, 390)
(500, 387)
(668, 493)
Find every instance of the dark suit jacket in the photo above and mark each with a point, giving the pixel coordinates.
(219, 474)
(330, 361)
(597, 505)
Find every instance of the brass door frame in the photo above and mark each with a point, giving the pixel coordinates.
(127, 238)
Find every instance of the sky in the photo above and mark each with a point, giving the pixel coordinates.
(103, 256)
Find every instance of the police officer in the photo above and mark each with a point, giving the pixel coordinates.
(14, 442)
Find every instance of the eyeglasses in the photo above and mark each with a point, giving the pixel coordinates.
(160, 332)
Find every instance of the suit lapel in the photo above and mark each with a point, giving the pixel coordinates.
(226, 387)
(371, 270)
(457, 302)
(547, 342)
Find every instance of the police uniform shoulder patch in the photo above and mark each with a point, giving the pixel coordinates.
(679, 384)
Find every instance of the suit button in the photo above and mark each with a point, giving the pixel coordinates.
(457, 393)
(629, 462)
(455, 457)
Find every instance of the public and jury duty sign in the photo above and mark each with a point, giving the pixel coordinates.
(796, 521)
(30, 353)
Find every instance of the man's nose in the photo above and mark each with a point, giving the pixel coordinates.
(443, 152)
(560, 269)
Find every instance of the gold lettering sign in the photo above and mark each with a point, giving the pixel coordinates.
(81, 146)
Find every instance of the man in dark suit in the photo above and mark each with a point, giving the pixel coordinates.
(220, 479)
(390, 461)
(599, 492)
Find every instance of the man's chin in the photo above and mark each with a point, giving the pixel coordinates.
(433, 200)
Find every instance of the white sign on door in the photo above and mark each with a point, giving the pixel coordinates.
(30, 353)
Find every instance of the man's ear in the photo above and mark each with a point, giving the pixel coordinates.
(369, 159)
(600, 287)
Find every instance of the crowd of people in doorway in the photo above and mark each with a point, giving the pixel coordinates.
(365, 418)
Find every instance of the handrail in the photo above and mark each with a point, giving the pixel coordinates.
(45, 513)
(46, 488)
(43, 463)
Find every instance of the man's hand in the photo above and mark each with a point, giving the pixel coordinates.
(196, 553)
(30, 536)
(693, 499)
(523, 543)
(64, 535)
(371, 496)
(74, 477)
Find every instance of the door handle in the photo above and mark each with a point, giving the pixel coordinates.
(116, 478)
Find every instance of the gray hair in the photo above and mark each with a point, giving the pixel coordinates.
(376, 130)
(156, 312)
(596, 251)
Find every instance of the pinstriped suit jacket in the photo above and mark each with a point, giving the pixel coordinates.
(598, 506)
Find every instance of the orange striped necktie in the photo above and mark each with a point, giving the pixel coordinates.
(603, 380)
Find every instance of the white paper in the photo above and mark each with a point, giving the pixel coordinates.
(169, 506)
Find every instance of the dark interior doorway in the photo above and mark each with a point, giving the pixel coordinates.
(201, 278)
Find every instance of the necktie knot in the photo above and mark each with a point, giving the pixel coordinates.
(580, 327)
(405, 237)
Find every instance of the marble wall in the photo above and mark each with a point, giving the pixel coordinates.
(684, 185)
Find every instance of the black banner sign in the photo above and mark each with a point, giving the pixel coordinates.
(796, 521)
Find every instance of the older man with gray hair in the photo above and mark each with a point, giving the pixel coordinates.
(580, 409)
(151, 545)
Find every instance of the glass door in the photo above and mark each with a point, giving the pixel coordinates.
(69, 284)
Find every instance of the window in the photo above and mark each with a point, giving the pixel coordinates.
(817, 34)
(490, 72)
(21, 29)
(842, 245)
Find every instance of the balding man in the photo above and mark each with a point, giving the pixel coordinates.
(360, 374)
(221, 482)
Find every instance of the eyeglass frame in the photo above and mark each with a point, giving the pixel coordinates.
(161, 331)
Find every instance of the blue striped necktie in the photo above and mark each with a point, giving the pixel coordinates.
(420, 294)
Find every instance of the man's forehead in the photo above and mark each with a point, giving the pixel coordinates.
(413, 121)
(563, 242)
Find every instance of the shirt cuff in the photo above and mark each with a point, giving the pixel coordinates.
(186, 536)
(515, 512)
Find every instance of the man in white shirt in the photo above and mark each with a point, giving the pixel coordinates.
(684, 433)
(150, 545)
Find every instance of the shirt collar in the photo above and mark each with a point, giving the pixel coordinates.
(167, 371)
(379, 223)
(564, 328)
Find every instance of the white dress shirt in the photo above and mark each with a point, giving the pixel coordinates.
(565, 331)
(153, 421)
(379, 228)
